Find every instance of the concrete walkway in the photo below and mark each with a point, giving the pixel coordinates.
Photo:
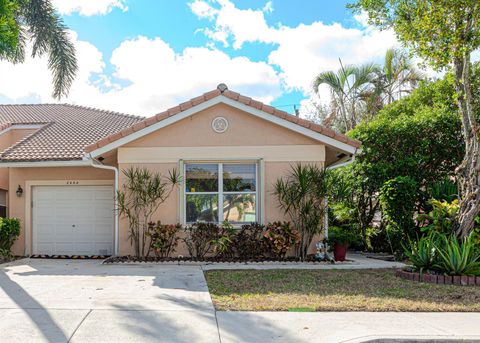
(85, 301)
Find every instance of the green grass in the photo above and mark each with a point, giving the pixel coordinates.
(333, 290)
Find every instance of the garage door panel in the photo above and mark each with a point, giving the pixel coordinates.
(73, 220)
(63, 249)
(45, 248)
(104, 248)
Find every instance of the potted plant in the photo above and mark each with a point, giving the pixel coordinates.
(340, 238)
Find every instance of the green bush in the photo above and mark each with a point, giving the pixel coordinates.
(422, 253)
(199, 238)
(341, 236)
(441, 218)
(249, 243)
(9, 232)
(163, 238)
(445, 254)
(223, 243)
(458, 256)
(377, 240)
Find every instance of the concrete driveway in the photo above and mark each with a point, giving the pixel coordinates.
(85, 301)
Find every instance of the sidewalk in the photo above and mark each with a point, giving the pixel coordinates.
(352, 327)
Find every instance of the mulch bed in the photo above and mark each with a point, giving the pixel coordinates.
(133, 259)
(459, 280)
(74, 257)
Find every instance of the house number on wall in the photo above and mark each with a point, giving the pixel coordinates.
(220, 124)
(72, 182)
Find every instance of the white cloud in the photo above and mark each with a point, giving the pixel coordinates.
(300, 52)
(161, 78)
(155, 76)
(243, 25)
(89, 7)
(202, 9)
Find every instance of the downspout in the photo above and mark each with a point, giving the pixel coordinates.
(97, 164)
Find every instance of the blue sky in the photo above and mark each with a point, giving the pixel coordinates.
(142, 56)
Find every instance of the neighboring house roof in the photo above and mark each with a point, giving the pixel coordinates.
(222, 90)
(65, 132)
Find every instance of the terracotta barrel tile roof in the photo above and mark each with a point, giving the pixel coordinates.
(67, 130)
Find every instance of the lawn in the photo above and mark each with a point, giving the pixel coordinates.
(333, 290)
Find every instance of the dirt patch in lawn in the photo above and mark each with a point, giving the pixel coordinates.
(333, 290)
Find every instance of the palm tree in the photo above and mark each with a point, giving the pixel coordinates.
(36, 20)
(348, 86)
(398, 76)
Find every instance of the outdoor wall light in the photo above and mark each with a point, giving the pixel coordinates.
(19, 191)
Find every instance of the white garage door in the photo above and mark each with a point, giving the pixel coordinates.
(73, 220)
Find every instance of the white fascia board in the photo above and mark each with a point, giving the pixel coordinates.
(74, 163)
(233, 103)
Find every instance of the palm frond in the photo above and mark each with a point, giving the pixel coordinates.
(49, 35)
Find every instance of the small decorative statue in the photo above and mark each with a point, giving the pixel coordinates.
(322, 252)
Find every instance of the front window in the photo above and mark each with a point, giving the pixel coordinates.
(216, 192)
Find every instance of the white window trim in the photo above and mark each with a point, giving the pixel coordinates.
(258, 188)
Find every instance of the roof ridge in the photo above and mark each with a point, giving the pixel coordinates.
(104, 111)
(23, 140)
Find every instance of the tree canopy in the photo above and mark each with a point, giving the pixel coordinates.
(444, 33)
(36, 20)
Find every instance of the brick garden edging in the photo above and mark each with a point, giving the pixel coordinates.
(439, 279)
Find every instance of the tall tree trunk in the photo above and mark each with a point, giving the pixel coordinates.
(468, 170)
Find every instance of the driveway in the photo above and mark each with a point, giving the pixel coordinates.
(85, 301)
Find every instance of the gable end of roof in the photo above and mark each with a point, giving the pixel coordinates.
(222, 90)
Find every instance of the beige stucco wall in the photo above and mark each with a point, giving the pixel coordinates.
(20, 176)
(243, 129)
(7, 139)
(193, 138)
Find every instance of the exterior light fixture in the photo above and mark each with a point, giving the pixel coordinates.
(19, 191)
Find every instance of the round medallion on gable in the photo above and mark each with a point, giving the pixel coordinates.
(219, 124)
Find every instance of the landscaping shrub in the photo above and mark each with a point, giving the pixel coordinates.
(422, 253)
(279, 238)
(458, 256)
(377, 239)
(142, 193)
(223, 243)
(441, 218)
(249, 243)
(9, 232)
(301, 195)
(445, 254)
(199, 238)
(341, 236)
(163, 238)
(397, 198)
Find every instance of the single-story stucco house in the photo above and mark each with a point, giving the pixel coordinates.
(60, 165)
